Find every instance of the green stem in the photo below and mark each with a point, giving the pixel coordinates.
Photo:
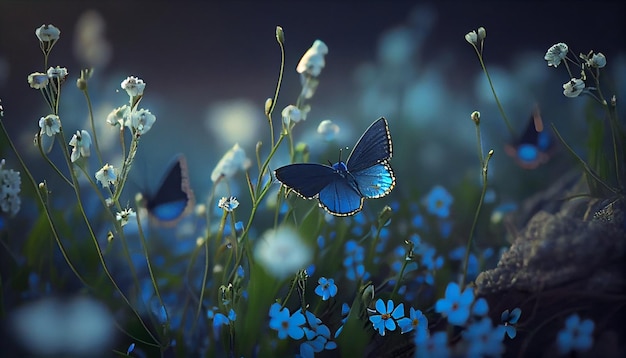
(93, 126)
(493, 90)
(480, 204)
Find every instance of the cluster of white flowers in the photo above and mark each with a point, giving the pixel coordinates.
(10, 183)
(557, 53)
(138, 121)
(39, 80)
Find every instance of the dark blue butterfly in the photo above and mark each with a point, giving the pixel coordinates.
(342, 187)
(174, 197)
(534, 146)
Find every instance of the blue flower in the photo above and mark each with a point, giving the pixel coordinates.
(353, 262)
(416, 321)
(438, 201)
(509, 320)
(480, 307)
(317, 335)
(386, 320)
(345, 309)
(484, 339)
(456, 305)
(436, 346)
(576, 335)
(285, 324)
(326, 288)
(130, 348)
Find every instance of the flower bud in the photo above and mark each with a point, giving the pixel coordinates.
(280, 35)
(476, 117)
(268, 106)
(482, 33)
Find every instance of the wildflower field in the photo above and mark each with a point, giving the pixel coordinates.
(276, 180)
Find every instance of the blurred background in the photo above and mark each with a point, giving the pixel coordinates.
(210, 66)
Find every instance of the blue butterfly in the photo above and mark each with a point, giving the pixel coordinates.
(534, 146)
(174, 197)
(342, 187)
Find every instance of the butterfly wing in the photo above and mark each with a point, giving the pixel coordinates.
(340, 197)
(174, 197)
(531, 150)
(375, 181)
(372, 148)
(306, 179)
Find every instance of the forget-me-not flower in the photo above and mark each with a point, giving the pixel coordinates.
(438, 201)
(386, 320)
(326, 288)
(484, 339)
(286, 324)
(456, 304)
(577, 335)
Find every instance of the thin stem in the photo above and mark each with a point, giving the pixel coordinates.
(480, 204)
(93, 126)
(278, 84)
(493, 90)
(144, 245)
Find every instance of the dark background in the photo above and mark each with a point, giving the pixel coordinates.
(193, 54)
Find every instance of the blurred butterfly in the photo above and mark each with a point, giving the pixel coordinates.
(174, 197)
(534, 146)
(342, 187)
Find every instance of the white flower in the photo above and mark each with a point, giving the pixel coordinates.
(50, 125)
(291, 113)
(140, 121)
(282, 252)
(573, 87)
(556, 54)
(38, 80)
(106, 175)
(312, 61)
(118, 116)
(47, 33)
(81, 141)
(124, 216)
(328, 129)
(598, 60)
(228, 204)
(230, 163)
(57, 72)
(10, 183)
(472, 37)
(133, 86)
(482, 33)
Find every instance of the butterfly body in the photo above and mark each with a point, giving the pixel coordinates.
(342, 187)
(174, 198)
